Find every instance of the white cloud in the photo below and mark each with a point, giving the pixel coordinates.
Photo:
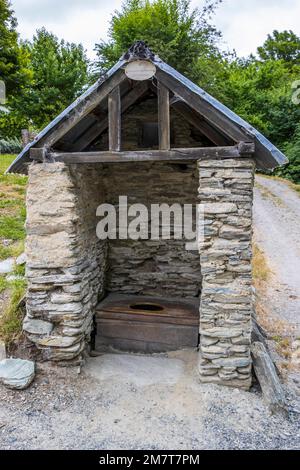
(244, 25)
(84, 21)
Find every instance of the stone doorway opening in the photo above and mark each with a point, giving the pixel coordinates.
(149, 301)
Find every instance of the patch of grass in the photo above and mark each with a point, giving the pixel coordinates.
(17, 248)
(12, 219)
(12, 228)
(260, 268)
(279, 331)
(267, 194)
(12, 318)
(3, 284)
(5, 161)
(294, 186)
(12, 208)
(12, 251)
(5, 252)
(19, 270)
(284, 346)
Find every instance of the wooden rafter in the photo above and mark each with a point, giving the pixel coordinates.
(197, 121)
(83, 109)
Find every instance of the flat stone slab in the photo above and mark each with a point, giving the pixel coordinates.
(37, 327)
(16, 373)
(2, 351)
(21, 259)
(138, 370)
(7, 266)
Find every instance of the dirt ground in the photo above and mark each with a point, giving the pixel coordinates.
(138, 402)
(277, 232)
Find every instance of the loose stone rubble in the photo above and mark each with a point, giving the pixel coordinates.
(21, 260)
(7, 266)
(2, 351)
(16, 373)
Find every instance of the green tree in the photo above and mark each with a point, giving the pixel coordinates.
(60, 73)
(13, 61)
(260, 90)
(283, 45)
(182, 37)
(292, 151)
(261, 93)
(14, 69)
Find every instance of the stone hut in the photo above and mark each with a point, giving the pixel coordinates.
(146, 132)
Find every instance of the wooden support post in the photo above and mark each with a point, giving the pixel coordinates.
(163, 117)
(114, 120)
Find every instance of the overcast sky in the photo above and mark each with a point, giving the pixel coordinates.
(244, 24)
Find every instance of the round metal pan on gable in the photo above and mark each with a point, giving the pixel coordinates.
(140, 70)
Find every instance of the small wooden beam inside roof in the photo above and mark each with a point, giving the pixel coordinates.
(189, 154)
(99, 127)
(114, 120)
(163, 117)
(85, 106)
(203, 107)
(199, 123)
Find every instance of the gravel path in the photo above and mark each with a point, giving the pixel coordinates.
(125, 402)
(277, 232)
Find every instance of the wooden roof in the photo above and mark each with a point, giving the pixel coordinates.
(86, 118)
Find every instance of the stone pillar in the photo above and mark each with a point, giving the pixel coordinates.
(65, 260)
(226, 194)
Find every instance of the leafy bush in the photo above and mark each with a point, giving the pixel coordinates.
(12, 145)
(12, 318)
(292, 151)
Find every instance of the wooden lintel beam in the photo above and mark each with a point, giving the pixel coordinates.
(163, 117)
(191, 154)
(114, 120)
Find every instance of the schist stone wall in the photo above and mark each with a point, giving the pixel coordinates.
(153, 267)
(69, 268)
(183, 134)
(66, 262)
(226, 191)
